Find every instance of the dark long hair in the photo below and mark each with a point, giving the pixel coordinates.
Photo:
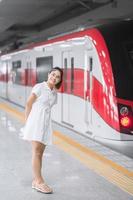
(58, 85)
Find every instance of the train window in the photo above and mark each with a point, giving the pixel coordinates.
(16, 71)
(131, 56)
(72, 74)
(65, 74)
(130, 52)
(90, 63)
(43, 65)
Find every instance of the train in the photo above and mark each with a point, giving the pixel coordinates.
(96, 97)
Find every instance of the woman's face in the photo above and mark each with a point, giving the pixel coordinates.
(54, 77)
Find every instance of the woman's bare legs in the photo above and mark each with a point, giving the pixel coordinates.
(37, 153)
(38, 181)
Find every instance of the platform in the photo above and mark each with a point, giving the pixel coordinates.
(74, 166)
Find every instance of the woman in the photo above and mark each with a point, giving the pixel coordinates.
(38, 123)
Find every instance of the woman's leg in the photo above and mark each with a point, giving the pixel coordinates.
(37, 154)
(38, 181)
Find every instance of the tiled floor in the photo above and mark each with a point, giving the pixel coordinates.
(69, 178)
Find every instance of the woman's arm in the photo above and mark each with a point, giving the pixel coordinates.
(29, 104)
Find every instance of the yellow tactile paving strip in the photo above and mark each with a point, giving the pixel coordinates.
(110, 170)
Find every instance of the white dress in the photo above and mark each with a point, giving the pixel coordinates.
(38, 125)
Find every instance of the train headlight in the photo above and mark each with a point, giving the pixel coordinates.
(125, 118)
(124, 111)
(125, 121)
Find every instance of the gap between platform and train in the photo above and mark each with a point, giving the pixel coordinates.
(110, 170)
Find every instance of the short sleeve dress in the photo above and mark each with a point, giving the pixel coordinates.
(38, 125)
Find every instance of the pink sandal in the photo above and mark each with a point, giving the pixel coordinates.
(42, 187)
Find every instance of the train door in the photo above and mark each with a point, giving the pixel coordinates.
(67, 61)
(88, 104)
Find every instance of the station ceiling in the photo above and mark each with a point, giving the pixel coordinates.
(27, 21)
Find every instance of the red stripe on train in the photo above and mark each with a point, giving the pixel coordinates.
(125, 102)
(75, 87)
(28, 77)
(105, 104)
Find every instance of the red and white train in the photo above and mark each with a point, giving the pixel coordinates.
(96, 98)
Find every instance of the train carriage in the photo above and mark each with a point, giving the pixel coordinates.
(96, 98)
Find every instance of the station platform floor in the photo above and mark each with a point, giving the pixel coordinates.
(74, 166)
